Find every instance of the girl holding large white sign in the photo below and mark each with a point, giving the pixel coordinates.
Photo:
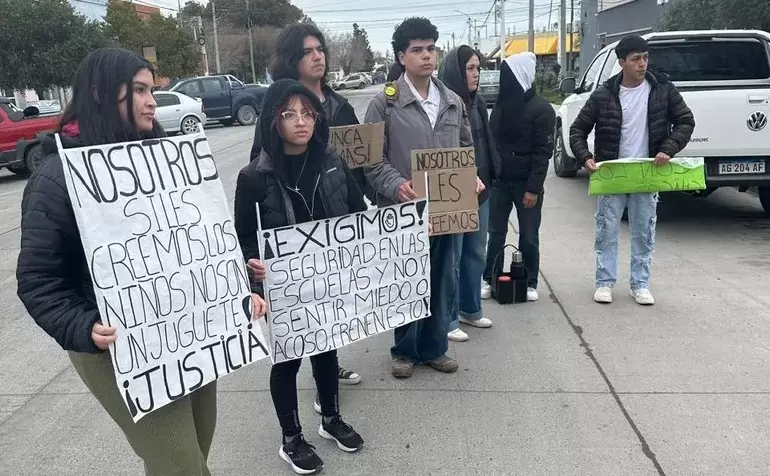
(112, 104)
(296, 179)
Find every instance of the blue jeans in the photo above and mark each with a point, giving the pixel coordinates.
(642, 219)
(425, 339)
(470, 259)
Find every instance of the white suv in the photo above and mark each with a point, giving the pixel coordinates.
(723, 76)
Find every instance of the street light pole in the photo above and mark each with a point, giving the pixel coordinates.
(251, 44)
(503, 37)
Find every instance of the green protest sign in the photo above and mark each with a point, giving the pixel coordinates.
(643, 176)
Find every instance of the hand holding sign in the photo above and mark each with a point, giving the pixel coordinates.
(257, 269)
(662, 159)
(103, 336)
(406, 193)
(480, 187)
(258, 306)
(590, 165)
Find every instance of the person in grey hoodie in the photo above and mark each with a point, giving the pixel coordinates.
(460, 71)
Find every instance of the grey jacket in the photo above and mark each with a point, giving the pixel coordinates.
(409, 129)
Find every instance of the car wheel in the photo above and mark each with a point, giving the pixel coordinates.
(559, 155)
(246, 115)
(764, 198)
(189, 125)
(33, 158)
(362, 86)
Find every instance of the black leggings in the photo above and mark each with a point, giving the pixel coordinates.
(283, 389)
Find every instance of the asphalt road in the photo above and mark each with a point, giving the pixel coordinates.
(563, 386)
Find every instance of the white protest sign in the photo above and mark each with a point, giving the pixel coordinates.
(166, 265)
(333, 282)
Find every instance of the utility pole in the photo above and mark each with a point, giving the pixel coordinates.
(503, 37)
(179, 12)
(216, 37)
(453, 40)
(470, 31)
(571, 53)
(251, 44)
(563, 35)
(531, 38)
(202, 42)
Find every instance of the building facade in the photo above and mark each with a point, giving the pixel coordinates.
(606, 21)
(94, 10)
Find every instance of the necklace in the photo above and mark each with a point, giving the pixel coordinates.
(301, 171)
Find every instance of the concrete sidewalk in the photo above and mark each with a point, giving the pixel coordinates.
(528, 399)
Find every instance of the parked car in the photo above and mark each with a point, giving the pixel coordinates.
(352, 81)
(225, 98)
(723, 76)
(20, 134)
(177, 112)
(489, 85)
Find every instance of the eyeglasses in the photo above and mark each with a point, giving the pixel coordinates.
(292, 116)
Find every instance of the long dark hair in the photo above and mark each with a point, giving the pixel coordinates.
(95, 97)
(289, 51)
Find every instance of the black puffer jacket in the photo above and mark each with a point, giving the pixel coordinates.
(522, 124)
(669, 120)
(263, 181)
(54, 283)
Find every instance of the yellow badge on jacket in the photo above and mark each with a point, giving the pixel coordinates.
(391, 90)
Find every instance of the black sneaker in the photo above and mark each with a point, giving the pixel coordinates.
(301, 456)
(346, 437)
(347, 377)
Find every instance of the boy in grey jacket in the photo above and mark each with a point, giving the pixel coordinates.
(420, 113)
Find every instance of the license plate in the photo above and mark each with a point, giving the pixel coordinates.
(742, 167)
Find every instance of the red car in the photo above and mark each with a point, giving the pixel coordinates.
(20, 133)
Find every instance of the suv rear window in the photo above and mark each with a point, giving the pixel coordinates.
(711, 60)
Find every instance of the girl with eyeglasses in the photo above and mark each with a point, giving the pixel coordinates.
(296, 178)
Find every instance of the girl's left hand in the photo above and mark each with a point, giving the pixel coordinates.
(258, 306)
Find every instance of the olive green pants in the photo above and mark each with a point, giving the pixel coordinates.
(172, 440)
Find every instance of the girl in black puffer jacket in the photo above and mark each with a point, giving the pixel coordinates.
(295, 179)
(112, 102)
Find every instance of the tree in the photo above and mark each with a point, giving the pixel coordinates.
(277, 13)
(363, 48)
(43, 42)
(175, 47)
(717, 15)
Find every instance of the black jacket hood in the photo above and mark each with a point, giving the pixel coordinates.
(272, 143)
(452, 74)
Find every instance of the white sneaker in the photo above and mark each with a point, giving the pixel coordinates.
(603, 295)
(457, 335)
(643, 296)
(482, 323)
(486, 290)
(532, 294)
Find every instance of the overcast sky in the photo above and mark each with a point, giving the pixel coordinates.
(379, 17)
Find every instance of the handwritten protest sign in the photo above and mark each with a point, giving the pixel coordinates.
(360, 145)
(643, 176)
(334, 282)
(166, 265)
(454, 206)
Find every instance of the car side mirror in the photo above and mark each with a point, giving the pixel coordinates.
(31, 111)
(568, 85)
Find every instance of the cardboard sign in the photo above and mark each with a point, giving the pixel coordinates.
(333, 282)
(643, 176)
(454, 206)
(360, 145)
(166, 265)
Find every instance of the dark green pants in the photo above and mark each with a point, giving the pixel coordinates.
(173, 440)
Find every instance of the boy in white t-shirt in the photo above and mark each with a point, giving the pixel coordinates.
(636, 114)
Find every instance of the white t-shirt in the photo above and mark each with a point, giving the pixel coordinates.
(634, 134)
(432, 104)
